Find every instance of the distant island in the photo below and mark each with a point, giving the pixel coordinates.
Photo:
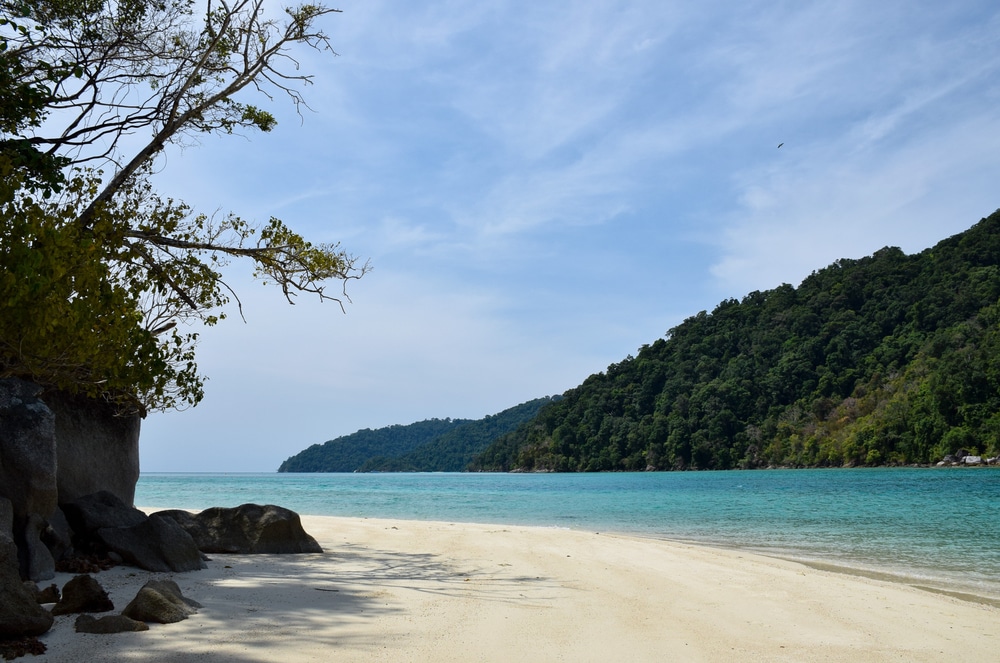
(890, 359)
(434, 445)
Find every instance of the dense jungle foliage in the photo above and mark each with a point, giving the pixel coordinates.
(890, 359)
(434, 445)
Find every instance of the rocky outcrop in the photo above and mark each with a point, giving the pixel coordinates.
(160, 601)
(83, 594)
(246, 529)
(28, 472)
(97, 448)
(103, 524)
(90, 513)
(20, 613)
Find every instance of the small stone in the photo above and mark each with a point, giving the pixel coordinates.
(108, 624)
(83, 594)
(49, 595)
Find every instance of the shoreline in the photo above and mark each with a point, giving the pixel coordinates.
(940, 583)
(393, 590)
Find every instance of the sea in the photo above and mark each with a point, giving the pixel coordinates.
(937, 528)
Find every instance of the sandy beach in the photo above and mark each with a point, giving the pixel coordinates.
(422, 591)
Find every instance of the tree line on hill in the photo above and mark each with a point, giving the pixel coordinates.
(434, 445)
(888, 359)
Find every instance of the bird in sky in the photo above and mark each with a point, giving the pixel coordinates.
(780, 144)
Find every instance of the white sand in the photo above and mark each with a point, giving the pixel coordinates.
(436, 592)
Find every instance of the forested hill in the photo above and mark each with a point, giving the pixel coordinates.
(434, 445)
(889, 359)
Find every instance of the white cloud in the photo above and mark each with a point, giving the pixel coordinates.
(544, 187)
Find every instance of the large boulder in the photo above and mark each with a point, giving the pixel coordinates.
(90, 513)
(28, 471)
(246, 529)
(97, 448)
(20, 613)
(27, 449)
(102, 523)
(156, 544)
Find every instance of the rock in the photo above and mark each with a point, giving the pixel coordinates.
(83, 594)
(11, 648)
(156, 544)
(41, 565)
(90, 513)
(97, 448)
(58, 536)
(108, 624)
(246, 529)
(28, 471)
(27, 449)
(972, 460)
(48, 595)
(160, 601)
(20, 613)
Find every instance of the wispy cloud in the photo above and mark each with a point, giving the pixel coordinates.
(543, 186)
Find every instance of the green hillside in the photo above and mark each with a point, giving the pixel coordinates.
(434, 445)
(889, 359)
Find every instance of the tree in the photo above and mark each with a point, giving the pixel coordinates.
(97, 268)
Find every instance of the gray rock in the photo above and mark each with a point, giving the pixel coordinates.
(156, 544)
(41, 565)
(58, 536)
(83, 594)
(48, 595)
(27, 450)
(20, 613)
(97, 511)
(28, 471)
(108, 624)
(247, 529)
(6, 519)
(160, 601)
(97, 449)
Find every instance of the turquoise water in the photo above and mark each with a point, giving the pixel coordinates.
(938, 527)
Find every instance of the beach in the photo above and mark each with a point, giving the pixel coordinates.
(402, 590)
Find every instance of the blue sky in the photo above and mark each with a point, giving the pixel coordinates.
(543, 187)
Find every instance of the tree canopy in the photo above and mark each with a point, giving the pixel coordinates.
(888, 359)
(434, 445)
(99, 272)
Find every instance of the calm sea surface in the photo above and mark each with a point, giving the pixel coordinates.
(939, 527)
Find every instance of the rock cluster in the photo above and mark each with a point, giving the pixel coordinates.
(964, 458)
(68, 469)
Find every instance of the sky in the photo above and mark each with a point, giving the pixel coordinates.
(543, 187)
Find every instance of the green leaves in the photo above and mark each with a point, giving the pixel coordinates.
(99, 273)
